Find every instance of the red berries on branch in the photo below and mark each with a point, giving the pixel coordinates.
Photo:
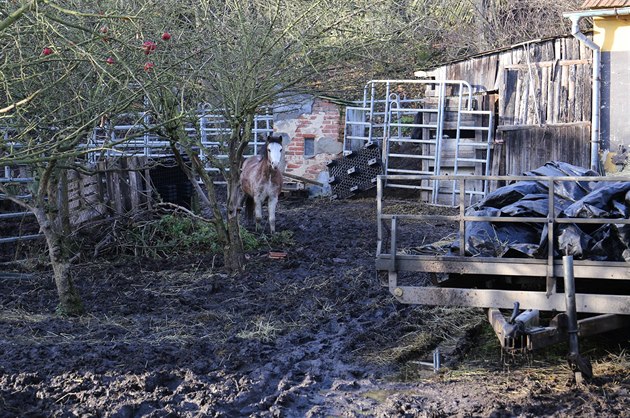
(47, 51)
(166, 36)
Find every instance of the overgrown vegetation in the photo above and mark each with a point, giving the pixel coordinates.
(159, 235)
(172, 235)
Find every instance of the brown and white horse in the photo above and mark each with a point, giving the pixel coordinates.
(261, 180)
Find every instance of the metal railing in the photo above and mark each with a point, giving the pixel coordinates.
(138, 139)
(382, 118)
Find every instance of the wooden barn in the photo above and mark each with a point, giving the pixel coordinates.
(540, 94)
(502, 112)
(562, 98)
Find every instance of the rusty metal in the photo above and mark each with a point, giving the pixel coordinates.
(581, 366)
(571, 306)
(556, 331)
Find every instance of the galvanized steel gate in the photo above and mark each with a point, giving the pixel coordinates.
(210, 125)
(17, 176)
(412, 133)
(113, 141)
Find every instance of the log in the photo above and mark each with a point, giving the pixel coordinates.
(303, 179)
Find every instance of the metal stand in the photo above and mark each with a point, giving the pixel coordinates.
(581, 367)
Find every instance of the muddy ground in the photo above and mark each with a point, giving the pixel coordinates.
(314, 334)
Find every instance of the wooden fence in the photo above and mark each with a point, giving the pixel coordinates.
(118, 187)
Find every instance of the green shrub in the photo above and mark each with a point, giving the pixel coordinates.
(174, 234)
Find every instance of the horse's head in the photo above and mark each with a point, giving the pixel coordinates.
(273, 150)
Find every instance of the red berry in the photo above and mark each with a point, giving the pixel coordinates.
(166, 36)
(47, 51)
(148, 66)
(148, 46)
(104, 29)
(110, 60)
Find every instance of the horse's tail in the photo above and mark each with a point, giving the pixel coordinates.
(249, 208)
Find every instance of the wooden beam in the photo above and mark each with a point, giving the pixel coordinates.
(303, 179)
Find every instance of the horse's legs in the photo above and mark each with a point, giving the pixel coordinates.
(237, 201)
(258, 211)
(271, 206)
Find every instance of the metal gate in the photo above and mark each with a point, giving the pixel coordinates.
(434, 133)
(136, 138)
(17, 176)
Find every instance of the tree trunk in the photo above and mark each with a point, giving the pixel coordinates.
(69, 300)
(233, 252)
(70, 303)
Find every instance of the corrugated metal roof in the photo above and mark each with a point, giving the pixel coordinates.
(605, 4)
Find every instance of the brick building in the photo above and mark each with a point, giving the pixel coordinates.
(312, 129)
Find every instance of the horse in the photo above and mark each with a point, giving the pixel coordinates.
(261, 180)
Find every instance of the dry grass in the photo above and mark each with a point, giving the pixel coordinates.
(441, 247)
(410, 346)
(427, 329)
(262, 329)
(406, 207)
(614, 364)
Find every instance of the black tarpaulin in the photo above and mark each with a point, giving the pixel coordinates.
(583, 199)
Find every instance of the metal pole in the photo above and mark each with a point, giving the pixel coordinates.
(436, 360)
(569, 297)
(551, 217)
(379, 214)
(438, 140)
(581, 366)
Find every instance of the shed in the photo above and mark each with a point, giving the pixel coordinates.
(312, 126)
(540, 93)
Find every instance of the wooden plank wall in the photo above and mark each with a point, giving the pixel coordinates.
(486, 72)
(548, 92)
(118, 187)
(544, 101)
(530, 147)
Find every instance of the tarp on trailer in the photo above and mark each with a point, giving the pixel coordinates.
(583, 199)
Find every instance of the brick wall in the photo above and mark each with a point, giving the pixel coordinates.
(323, 126)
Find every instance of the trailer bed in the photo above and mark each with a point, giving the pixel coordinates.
(602, 286)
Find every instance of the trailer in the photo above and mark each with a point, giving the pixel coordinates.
(586, 296)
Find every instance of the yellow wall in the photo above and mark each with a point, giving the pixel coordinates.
(612, 33)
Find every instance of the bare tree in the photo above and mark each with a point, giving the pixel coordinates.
(248, 55)
(62, 72)
(454, 29)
